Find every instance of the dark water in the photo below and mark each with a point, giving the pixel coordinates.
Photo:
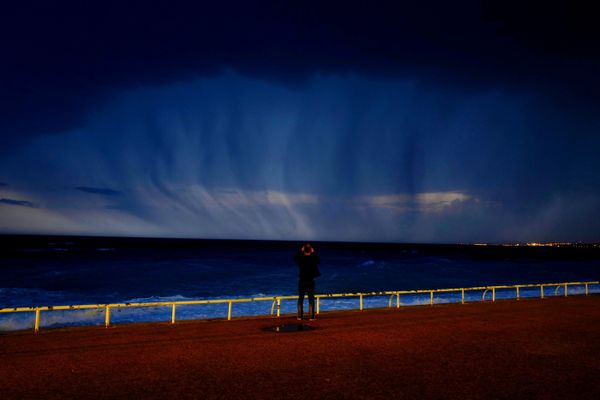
(70, 270)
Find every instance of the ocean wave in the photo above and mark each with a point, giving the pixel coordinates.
(372, 264)
(158, 299)
(369, 263)
(50, 319)
(32, 297)
(178, 297)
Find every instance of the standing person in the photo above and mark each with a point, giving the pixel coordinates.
(308, 269)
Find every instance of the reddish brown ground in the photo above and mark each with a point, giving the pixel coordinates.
(544, 349)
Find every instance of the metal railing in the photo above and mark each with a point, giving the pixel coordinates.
(276, 300)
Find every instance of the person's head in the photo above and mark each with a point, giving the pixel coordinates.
(307, 249)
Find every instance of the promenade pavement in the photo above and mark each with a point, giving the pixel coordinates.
(527, 349)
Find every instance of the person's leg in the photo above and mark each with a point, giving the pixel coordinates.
(311, 299)
(301, 290)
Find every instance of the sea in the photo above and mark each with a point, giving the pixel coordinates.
(68, 270)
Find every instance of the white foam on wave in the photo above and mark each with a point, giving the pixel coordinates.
(48, 319)
(16, 322)
(158, 299)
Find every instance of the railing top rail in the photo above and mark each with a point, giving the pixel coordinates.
(275, 298)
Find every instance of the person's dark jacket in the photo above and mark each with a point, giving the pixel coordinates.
(308, 266)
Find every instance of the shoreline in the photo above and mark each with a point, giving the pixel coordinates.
(372, 298)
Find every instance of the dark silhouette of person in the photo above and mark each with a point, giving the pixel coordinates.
(308, 269)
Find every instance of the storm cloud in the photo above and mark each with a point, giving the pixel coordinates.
(99, 191)
(13, 202)
(437, 122)
(60, 61)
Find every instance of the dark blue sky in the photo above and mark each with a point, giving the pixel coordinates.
(438, 122)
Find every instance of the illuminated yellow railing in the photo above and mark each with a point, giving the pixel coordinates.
(276, 300)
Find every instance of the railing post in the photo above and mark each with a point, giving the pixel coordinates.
(566, 290)
(361, 301)
(518, 294)
(106, 316)
(542, 291)
(278, 306)
(493, 294)
(462, 296)
(173, 314)
(229, 304)
(36, 327)
(318, 305)
(397, 300)
(431, 298)
(586, 289)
